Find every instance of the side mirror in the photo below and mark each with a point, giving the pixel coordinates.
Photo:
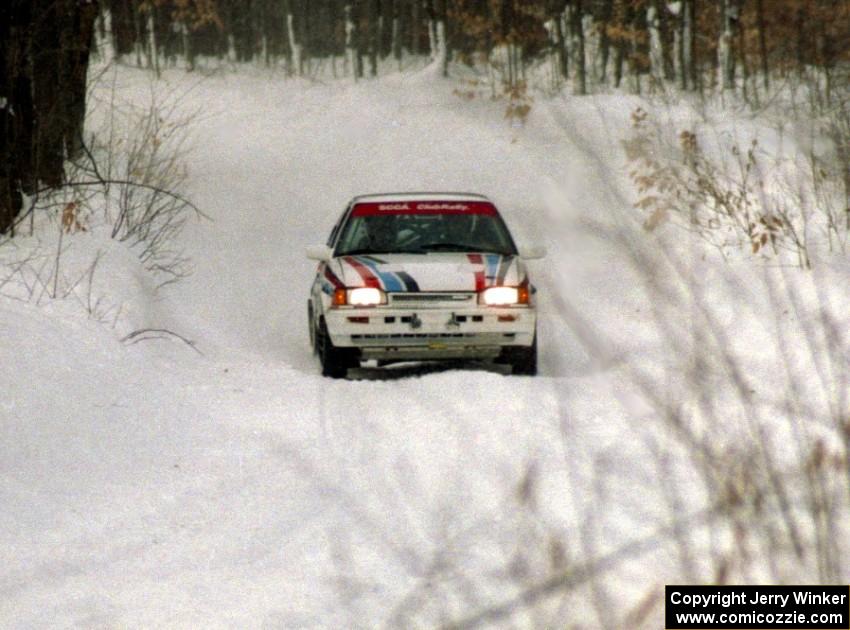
(532, 252)
(322, 253)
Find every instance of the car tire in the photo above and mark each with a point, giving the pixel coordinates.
(522, 359)
(334, 361)
(311, 326)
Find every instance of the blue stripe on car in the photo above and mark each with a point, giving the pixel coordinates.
(409, 283)
(492, 261)
(503, 269)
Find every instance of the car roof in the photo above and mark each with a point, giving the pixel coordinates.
(421, 196)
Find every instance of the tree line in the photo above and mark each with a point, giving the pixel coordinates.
(605, 41)
(698, 45)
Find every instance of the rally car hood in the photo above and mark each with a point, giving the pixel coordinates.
(429, 272)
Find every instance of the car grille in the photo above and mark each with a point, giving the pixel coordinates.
(417, 337)
(430, 299)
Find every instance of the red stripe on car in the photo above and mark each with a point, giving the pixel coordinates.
(480, 281)
(331, 276)
(369, 278)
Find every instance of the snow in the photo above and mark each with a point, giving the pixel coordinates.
(149, 485)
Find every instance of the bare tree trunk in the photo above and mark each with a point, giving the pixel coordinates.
(627, 16)
(679, 72)
(435, 10)
(395, 42)
(76, 70)
(13, 17)
(372, 35)
(800, 20)
(45, 59)
(560, 44)
(442, 37)
(44, 52)
(294, 37)
(740, 51)
(577, 34)
(605, 39)
(121, 21)
(23, 124)
(619, 61)
(656, 50)
(432, 29)
(138, 39)
(415, 27)
(725, 53)
(827, 53)
(689, 66)
(153, 47)
(442, 57)
(762, 27)
(380, 37)
(186, 44)
(352, 51)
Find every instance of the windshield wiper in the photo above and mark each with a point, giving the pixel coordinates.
(448, 247)
(365, 251)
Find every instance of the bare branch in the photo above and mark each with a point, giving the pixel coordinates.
(146, 334)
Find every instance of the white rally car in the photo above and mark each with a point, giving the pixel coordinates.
(420, 277)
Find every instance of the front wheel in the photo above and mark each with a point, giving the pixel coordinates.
(522, 359)
(335, 361)
(311, 327)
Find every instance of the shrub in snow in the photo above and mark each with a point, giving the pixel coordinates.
(771, 202)
(121, 207)
(135, 168)
(70, 261)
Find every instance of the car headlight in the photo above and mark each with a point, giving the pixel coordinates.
(504, 296)
(500, 296)
(366, 296)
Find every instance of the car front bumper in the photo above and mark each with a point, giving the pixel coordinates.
(386, 333)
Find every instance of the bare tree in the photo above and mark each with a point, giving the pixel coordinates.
(352, 37)
(294, 36)
(576, 13)
(762, 28)
(395, 39)
(656, 47)
(372, 35)
(43, 60)
(435, 11)
(556, 17)
(689, 68)
(605, 23)
(729, 17)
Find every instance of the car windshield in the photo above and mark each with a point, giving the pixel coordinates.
(421, 228)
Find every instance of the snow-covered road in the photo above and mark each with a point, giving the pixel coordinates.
(148, 485)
